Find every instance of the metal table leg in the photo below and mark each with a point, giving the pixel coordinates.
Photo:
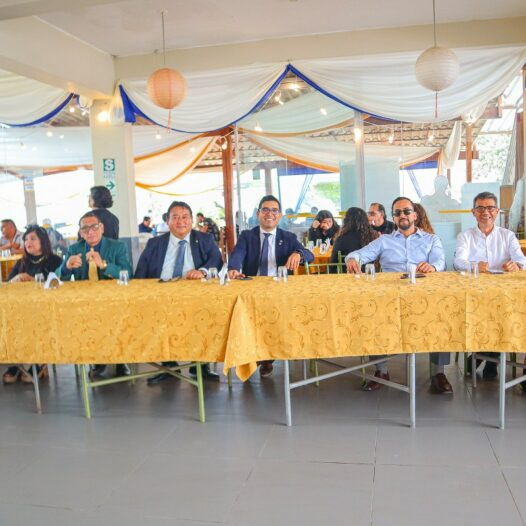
(200, 392)
(412, 393)
(288, 413)
(85, 390)
(502, 389)
(37, 389)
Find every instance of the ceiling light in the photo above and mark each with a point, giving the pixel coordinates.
(192, 149)
(158, 136)
(103, 116)
(431, 137)
(258, 128)
(323, 111)
(391, 138)
(224, 145)
(62, 136)
(72, 109)
(357, 134)
(49, 134)
(280, 102)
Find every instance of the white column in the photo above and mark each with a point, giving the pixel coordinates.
(113, 167)
(30, 202)
(359, 140)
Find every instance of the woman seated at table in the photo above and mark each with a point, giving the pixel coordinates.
(38, 258)
(422, 220)
(355, 233)
(323, 227)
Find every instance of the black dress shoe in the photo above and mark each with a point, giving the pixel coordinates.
(97, 370)
(490, 371)
(122, 369)
(205, 371)
(154, 380)
(468, 365)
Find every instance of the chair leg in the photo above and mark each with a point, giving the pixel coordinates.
(229, 378)
(36, 387)
(85, 392)
(412, 389)
(288, 411)
(200, 391)
(513, 358)
(456, 357)
(502, 390)
(466, 364)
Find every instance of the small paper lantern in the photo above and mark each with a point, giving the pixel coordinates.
(166, 88)
(437, 68)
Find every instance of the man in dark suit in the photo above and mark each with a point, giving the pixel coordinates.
(180, 253)
(260, 251)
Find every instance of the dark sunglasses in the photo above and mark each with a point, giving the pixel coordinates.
(405, 211)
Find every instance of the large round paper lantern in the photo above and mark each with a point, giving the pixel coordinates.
(166, 88)
(437, 68)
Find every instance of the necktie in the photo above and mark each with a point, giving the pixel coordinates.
(263, 262)
(93, 274)
(179, 260)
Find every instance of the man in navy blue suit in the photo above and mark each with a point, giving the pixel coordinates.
(181, 253)
(260, 251)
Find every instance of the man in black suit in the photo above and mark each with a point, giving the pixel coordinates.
(181, 253)
(260, 251)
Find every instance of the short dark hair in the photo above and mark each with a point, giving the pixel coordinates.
(45, 243)
(402, 198)
(380, 207)
(182, 204)
(10, 221)
(485, 195)
(146, 218)
(89, 214)
(101, 197)
(200, 214)
(269, 198)
(165, 217)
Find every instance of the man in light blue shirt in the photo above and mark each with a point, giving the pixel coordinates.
(407, 245)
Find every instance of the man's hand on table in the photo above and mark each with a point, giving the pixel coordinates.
(195, 274)
(234, 274)
(425, 267)
(511, 266)
(352, 266)
(294, 261)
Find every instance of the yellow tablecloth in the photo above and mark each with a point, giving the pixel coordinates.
(246, 321)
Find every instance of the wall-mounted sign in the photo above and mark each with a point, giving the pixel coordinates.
(108, 172)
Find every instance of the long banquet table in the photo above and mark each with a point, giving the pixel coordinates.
(246, 321)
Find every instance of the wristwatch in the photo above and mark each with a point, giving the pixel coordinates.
(104, 265)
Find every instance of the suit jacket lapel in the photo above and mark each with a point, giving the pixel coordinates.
(256, 247)
(194, 247)
(163, 248)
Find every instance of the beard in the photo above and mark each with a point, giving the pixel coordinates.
(406, 225)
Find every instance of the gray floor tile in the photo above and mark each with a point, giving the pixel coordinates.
(508, 444)
(338, 442)
(28, 515)
(432, 445)
(184, 488)
(516, 479)
(435, 495)
(284, 493)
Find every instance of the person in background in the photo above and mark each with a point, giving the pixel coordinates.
(144, 227)
(182, 253)
(422, 220)
(355, 233)
(378, 219)
(261, 250)
(38, 258)
(313, 211)
(205, 224)
(58, 244)
(286, 222)
(162, 228)
(100, 200)
(323, 227)
(11, 237)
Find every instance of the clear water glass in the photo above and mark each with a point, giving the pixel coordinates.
(474, 269)
(39, 280)
(370, 272)
(213, 273)
(411, 271)
(318, 243)
(310, 245)
(123, 278)
(283, 274)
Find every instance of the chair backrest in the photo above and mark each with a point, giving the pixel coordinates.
(323, 268)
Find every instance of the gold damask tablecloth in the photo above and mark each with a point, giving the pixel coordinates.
(246, 321)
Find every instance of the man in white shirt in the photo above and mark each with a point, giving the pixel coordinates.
(493, 248)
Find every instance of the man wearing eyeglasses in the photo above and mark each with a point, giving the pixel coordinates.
(495, 249)
(261, 250)
(378, 220)
(96, 257)
(395, 251)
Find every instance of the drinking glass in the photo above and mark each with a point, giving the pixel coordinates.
(370, 272)
(212, 273)
(411, 270)
(474, 269)
(283, 274)
(318, 243)
(39, 281)
(323, 249)
(310, 245)
(123, 277)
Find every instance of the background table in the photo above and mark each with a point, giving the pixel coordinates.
(6, 264)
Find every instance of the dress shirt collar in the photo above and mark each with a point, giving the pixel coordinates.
(481, 234)
(417, 232)
(272, 232)
(175, 240)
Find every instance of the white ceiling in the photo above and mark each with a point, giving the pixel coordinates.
(129, 27)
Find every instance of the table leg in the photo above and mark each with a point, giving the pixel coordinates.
(200, 393)
(229, 378)
(37, 389)
(85, 388)
(502, 389)
(412, 393)
(474, 369)
(288, 413)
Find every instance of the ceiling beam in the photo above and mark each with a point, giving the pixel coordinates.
(23, 8)
(34, 49)
(497, 32)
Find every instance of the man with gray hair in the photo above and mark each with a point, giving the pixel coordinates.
(494, 249)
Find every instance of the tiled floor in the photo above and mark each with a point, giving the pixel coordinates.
(349, 458)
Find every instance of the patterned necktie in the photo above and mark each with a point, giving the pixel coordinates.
(179, 260)
(263, 262)
(93, 273)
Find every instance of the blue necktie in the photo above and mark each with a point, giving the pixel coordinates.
(179, 260)
(263, 262)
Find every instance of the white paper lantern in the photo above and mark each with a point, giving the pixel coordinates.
(437, 68)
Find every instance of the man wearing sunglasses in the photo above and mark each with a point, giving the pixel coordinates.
(260, 251)
(493, 248)
(395, 251)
